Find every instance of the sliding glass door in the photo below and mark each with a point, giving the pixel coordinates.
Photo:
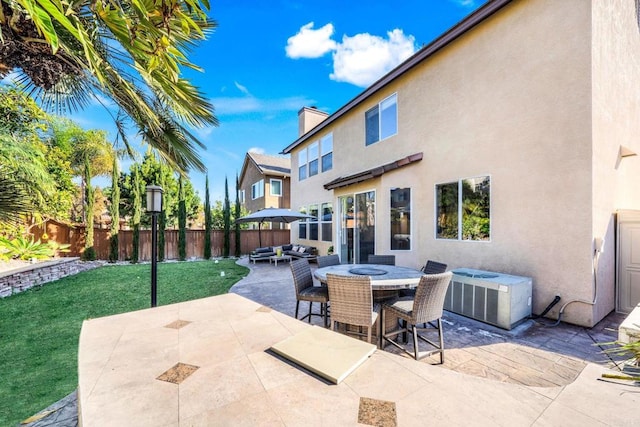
(357, 228)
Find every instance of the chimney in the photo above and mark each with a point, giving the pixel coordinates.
(308, 118)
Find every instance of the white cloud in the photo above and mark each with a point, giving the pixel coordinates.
(242, 88)
(251, 104)
(363, 58)
(359, 60)
(256, 150)
(310, 43)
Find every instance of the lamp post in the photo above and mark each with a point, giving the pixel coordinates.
(154, 206)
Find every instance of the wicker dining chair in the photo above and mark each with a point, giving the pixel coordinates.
(352, 303)
(327, 260)
(431, 267)
(382, 259)
(305, 291)
(425, 308)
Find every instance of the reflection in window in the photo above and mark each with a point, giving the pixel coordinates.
(313, 159)
(313, 222)
(257, 190)
(326, 221)
(302, 225)
(326, 151)
(302, 164)
(276, 187)
(382, 120)
(463, 209)
(400, 219)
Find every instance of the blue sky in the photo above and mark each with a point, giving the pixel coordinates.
(266, 60)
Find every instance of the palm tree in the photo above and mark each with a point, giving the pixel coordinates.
(69, 52)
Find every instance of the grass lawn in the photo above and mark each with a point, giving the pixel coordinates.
(39, 329)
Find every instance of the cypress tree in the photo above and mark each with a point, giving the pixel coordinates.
(207, 220)
(182, 222)
(137, 214)
(236, 216)
(227, 220)
(114, 210)
(89, 250)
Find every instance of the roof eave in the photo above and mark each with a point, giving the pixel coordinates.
(446, 38)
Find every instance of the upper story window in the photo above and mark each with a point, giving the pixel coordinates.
(275, 186)
(257, 190)
(382, 120)
(326, 152)
(463, 209)
(302, 164)
(315, 158)
(241, 196)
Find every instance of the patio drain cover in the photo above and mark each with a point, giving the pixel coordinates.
(178, 373)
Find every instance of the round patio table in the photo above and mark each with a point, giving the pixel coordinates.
(383, 277)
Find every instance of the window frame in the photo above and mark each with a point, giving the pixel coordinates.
(410, 219)
(460, 209)
(324, 222)
(271, 181)
(260, 186)
(326, 154)
(379, 113)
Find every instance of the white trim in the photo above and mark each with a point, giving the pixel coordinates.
(271, 181)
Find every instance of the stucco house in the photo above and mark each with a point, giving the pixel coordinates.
(507, 144)
(265, 182)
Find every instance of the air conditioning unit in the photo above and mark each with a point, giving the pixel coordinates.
(499, 299)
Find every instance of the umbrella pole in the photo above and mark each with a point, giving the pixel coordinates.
(259, 235)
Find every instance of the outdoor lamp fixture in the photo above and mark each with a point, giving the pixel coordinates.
(154, 207)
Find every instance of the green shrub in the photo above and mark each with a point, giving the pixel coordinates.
(89, 254)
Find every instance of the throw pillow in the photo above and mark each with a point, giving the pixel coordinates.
(301, 249)
(295, 248)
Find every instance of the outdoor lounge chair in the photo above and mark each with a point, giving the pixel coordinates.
(431, 267)
(351, 300)
(327, 260)
(305, 291)
(426, 307)
(382, 259)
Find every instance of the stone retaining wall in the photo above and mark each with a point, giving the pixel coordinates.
(21, 279)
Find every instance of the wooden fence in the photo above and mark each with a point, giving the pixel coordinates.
(75, 236)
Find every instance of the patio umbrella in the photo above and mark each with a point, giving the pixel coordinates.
(272, 215)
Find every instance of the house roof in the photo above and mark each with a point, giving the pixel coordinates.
(344, 181)
(267, 165)
(462, 27)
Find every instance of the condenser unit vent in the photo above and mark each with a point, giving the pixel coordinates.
(499, 299)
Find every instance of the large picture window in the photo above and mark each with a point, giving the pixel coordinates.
(463, 209)
(313, 222)
(400, 219)
(381, 121)
(302, 225)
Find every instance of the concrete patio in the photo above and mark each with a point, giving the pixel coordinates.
(536, 374)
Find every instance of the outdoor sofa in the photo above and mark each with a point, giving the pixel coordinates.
(295, 251)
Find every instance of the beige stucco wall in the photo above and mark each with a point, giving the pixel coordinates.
(616, 122)
(511, 99)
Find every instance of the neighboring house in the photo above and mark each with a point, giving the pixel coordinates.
(265, 182)
(507, 144)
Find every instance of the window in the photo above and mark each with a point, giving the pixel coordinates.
(463, 209)
(400, 219)
(302, 225)
(275, 186)
(302, 164)
(257, 190)
(313, 159)
(381, 121)
(313, 222)
(326, 151)
(241, 196)
(326, 222)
